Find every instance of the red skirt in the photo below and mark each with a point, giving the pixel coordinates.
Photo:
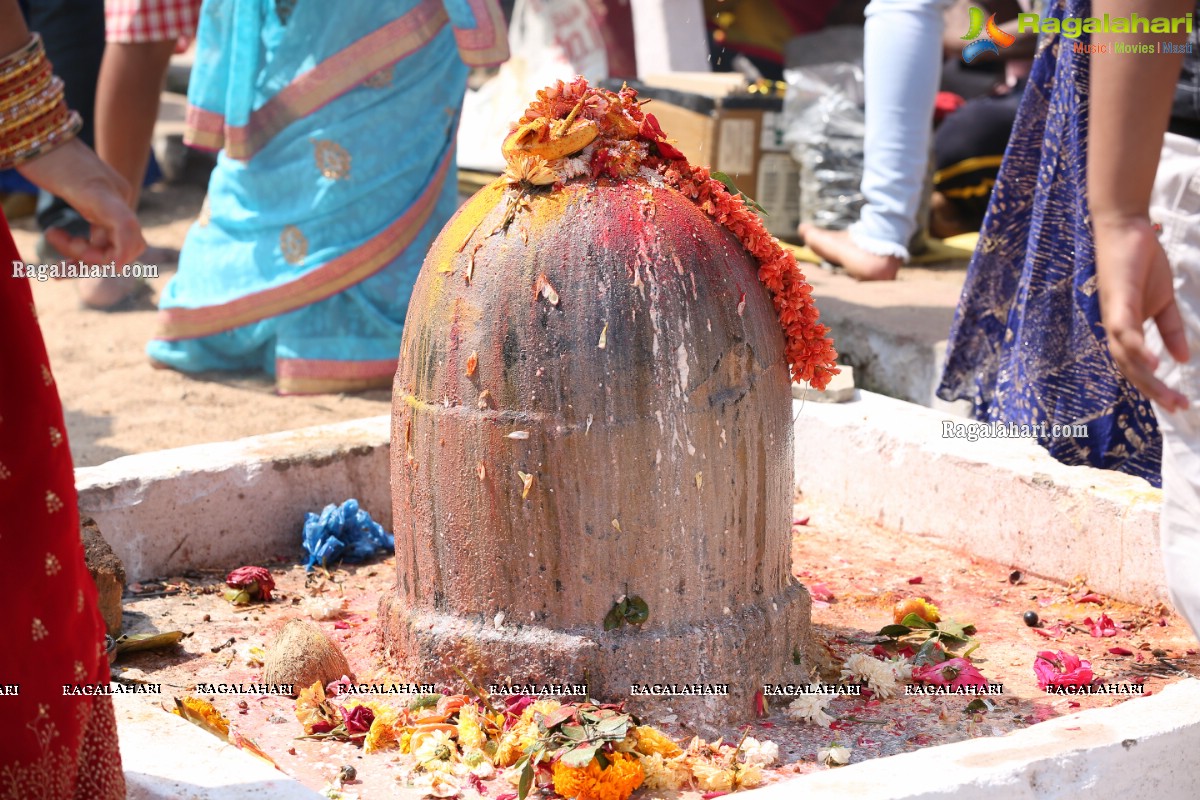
(55, 745)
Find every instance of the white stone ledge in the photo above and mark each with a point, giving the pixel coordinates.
(884, 460)
(224, 504)
(166, 757)
(1142, 749)
(1005, 500)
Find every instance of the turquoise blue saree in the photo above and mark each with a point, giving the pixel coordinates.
(336, 126)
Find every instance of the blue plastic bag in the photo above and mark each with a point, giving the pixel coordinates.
(344, 533)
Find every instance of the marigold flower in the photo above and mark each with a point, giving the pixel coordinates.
(617, 781)
(470, 729)
(664, 774)
(629, 140)
(651, 740)
(711, 778)
(383, 734)
(915, 605)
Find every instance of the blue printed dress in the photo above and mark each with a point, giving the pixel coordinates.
(1027, 345)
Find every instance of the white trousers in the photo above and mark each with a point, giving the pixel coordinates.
(1175, 204)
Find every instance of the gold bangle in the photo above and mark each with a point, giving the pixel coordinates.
(16, 64)
(49, 95)
(23, 91)
(56, 138)
(38, 130)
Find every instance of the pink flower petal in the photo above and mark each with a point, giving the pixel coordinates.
(820, 591)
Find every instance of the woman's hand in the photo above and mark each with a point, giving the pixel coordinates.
(73, 172)
(1136, 285)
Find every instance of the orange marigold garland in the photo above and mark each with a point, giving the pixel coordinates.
(573, 130)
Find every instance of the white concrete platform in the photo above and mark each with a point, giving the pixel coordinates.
(166, 757)
(224, 504)
(232, 503)
(1142, 749)
(1005, 500)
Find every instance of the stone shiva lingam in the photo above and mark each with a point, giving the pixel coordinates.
(592, 428)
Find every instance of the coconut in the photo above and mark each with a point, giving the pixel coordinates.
(302, 654)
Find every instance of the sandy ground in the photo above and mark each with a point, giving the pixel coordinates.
(116, 404)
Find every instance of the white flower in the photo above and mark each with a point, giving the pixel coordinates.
(882, 677)
(834, 756)
(437, 752)
(759, 754)
(811, 708)
(438, 784)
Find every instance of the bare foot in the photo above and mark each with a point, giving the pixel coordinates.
(105, 293)
(836, 247)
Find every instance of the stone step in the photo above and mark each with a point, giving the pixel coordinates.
(893, 333)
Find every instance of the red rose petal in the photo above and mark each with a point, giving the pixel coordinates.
(1120, 651)
(916, 580)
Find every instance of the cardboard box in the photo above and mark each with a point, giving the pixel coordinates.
(715, 123)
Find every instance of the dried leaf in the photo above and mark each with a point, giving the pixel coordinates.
(481, 470)
(699, 480)
(617, 525)
(484, 400)
(472, 363)
(518, 435)
(543, 288)
(526, 482)
(603, 337)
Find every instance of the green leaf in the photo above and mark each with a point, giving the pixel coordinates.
(729, 184)
(581, 755)
(613, 725)
(558, 716)
(895, 631)
(614, 618)
(952, 630)
(797, 659)
(637, 612)
(602, 759)
(573, 732)
(979, 705)
(525, 782)
(915, 621)
(929, 653)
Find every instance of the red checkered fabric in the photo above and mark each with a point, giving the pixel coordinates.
(141, 21)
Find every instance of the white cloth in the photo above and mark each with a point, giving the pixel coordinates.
(1175, 204)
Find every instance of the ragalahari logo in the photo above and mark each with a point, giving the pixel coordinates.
(996, 38)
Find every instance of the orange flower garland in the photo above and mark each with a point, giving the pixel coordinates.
(622, 141)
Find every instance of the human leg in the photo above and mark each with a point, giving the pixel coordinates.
(902, 62)
(1175, 204)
